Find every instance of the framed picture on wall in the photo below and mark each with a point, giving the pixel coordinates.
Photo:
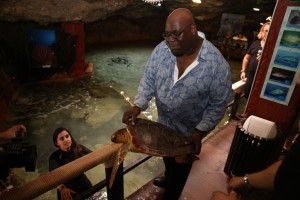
(284, 66)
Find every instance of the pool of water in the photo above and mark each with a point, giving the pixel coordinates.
(91, 109)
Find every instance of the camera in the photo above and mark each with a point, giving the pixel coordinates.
(18, 153)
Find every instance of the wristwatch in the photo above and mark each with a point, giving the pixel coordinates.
(242, 71)
(247, 184)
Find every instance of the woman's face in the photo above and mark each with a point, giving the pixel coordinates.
(265, 31)
(64, 141)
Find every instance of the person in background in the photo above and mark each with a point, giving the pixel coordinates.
(225, 32)
(190, 81)
(282, 177)
(68, 150)
(8, 180)
(252, 57)
(240, 41)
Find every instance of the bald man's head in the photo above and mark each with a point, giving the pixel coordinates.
(181, 32)
(181, 15)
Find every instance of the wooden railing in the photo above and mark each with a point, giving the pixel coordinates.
(32, 189)
(105, 155)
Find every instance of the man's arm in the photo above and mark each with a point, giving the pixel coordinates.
(220, 91)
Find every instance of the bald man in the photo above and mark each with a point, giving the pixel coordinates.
(190, 81)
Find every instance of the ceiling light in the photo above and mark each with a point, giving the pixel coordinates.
(197, 1)
(156, 2)
(256, 9)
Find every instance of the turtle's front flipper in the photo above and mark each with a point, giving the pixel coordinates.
(119, 159)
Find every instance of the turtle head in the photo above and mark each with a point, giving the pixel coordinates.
(120, 136)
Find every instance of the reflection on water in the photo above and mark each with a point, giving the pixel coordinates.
(91, 109)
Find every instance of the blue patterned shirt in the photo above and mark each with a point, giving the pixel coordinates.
(198, 99)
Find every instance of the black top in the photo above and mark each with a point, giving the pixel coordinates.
(287, 179)
(252, 65)
(60, 158)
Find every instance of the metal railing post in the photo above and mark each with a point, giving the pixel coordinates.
(237, 97)
(116, 192)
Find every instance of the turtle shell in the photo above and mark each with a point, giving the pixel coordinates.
(154, 139)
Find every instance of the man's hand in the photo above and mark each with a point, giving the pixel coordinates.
(131, 115)
(19, 129)
(196, 138)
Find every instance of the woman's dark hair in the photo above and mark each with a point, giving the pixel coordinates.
(75, 147)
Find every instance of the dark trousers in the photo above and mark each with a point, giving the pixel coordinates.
(176, 176)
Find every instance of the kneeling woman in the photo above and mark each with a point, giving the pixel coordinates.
(68, 151)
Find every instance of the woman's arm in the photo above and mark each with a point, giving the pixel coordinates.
(245, 63)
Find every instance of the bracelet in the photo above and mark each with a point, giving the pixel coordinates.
(242, 71)
(247, 183)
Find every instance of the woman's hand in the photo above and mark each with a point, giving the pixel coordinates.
(66, 193)
(243, 76)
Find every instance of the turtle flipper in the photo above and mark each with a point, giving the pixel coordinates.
(119, 159)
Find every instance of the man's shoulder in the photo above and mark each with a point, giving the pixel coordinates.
(211, 48)
(161, 48)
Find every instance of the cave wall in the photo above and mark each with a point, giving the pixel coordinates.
(118, 29)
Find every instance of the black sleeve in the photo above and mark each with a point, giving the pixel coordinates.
(53, 162)
(85, 150)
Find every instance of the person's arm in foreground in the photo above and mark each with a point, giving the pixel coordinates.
(260, 180)
(12, 132)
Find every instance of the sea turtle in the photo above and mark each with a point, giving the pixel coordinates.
(154, 139)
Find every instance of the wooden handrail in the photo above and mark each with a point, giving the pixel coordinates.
(50, 180)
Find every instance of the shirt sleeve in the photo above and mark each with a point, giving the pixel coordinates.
(85, 150)
(219, 94)
(53, 163)
(146, 89)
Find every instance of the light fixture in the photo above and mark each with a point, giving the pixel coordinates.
(155, 2)
(197, 1)
(256, 9)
